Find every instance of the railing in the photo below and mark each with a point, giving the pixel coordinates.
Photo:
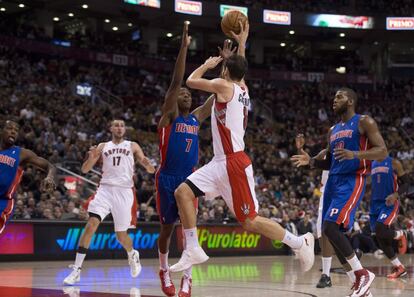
(108, 97)
(67, 171)
(407, 135)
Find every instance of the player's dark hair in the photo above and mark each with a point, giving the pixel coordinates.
(237, 66)
(351, 94)
(10, 120)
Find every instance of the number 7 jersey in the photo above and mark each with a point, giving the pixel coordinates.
(118, 164)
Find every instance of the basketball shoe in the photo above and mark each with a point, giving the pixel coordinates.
(305, 253)
(363, 280)
(134, 264)
(190, 257)
(185, 289)
(167, 285)
(74, 276)
(397, 271)
(324, 282)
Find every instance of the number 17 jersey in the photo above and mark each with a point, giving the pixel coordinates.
(179, 146)
(118, 164)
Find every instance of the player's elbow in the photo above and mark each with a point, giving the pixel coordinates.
(190, 83)
(383, 152)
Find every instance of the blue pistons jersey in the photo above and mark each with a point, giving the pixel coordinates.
(10, 173)
(346, 135)
(383, 179)
(179, 156)
(179, 146)
(383, 183)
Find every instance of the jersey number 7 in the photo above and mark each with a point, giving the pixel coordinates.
(189, 142)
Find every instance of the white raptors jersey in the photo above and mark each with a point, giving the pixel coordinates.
(118, 164)
(229, 122)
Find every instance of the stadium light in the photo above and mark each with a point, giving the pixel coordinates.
(21, 5)
(169, 34)
(107, 21)
(129, 24)
(115, 28)
(2, 9)
(342, 34)
(85, 6)
(282, 44)
(71, 14)
(291, 32)
(56, 19)
(341, 69)
(342, 47)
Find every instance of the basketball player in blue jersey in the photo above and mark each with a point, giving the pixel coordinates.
(352, 144)
(385, 175)
(12, 159)
(178, 134)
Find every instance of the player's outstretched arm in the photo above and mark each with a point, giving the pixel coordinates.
(203, 112)
(94, 154)
(141, 158)
(378, 150)
(241, 38)
(29, 157)
(170, 100)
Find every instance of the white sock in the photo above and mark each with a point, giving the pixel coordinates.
(396, 262)
(188, 271)
(191, 238)
(79, 259)
(398, 234)
(355, 264)
(326, 265)
(163, 260)
(351, 276)
(295, 242)
(130, 253)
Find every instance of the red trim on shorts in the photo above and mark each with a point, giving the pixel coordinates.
(14, 185)
(393, 214)
(395, 183)
(4, 216)
(164, 137)
(158, 197)
(134, 208)
(240, 190)
(85, 205)
(345, 214)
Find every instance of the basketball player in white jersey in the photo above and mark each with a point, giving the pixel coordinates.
(115, 195)
(230, 173)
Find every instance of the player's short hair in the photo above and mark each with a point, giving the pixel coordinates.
(350, 93)
(115, 120)
(10, 120)
(237, 67)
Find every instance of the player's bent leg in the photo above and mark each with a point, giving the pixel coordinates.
(193, 254)
(133, 255)
(303, 246)
(90, 229)
(363, 277)
(167, 285)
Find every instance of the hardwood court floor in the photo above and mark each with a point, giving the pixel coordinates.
(227, 277)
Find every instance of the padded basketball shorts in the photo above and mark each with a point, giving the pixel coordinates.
(120, 202)
(230, 177)
(380, 212)
(342, 196)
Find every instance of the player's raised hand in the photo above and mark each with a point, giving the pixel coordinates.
(241, 38)
(226, 52)
(48, 185)
(301, 160)
(342, 154)
(94, 152)
(185, 39)
(391, 199)
(212, 62)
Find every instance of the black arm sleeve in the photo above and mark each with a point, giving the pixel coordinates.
(324, 164)
(403, 185)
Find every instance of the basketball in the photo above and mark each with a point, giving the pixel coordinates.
(231, 20)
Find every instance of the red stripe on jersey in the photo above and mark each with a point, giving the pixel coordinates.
(164, 136)
(364, 165)
(158, 198)
(395, 183)
(4, 216)
(345, 213)
(393, 214)
(240, 188)
(15, 183)
(224, 132)
(134, 208)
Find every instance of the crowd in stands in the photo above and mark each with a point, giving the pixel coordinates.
(61, 126)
